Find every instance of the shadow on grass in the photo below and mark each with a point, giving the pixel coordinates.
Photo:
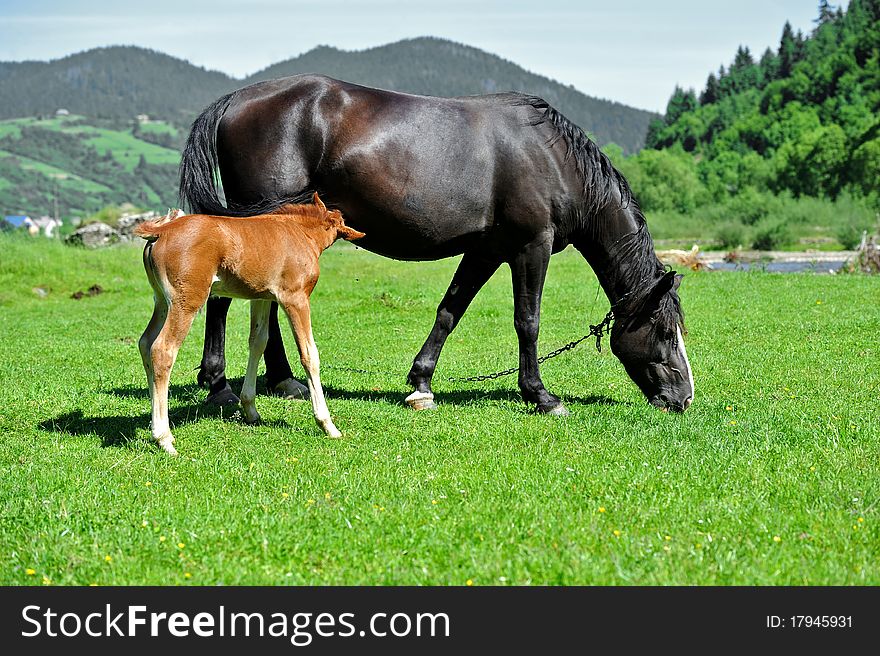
(392, 397)
(458, 397)
(119, 430)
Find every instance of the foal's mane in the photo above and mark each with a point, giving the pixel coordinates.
(604, 188)
(301, 209)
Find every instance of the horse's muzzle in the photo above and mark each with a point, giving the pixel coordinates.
(664, 405)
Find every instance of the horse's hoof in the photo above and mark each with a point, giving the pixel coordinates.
(292, 390)
(224, 397)
(421, 401)
(558, 410)
(252, 417)
(167, 445)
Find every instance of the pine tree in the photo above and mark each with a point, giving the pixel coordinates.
(827, 14)
(675, 106)
(787, 51)
(712, 92)
(769, 66)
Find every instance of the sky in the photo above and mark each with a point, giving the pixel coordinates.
(630, 51)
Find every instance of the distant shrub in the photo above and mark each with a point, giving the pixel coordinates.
(771, 235)
(110, 214)
(731, 235)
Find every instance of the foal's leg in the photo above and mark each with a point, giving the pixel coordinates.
(212, 372)
(163, 353)
(145, 343)
(299, 314)
(257, 343)
(529, 269)
(279, 378)
(472, 273)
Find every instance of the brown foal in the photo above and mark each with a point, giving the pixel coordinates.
(272, 257)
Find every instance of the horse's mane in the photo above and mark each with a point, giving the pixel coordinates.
(600, 178)
(605, 186)
(639, 275)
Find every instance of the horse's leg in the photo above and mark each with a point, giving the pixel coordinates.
(472, 273)
(298, 312)
(257, 344)
(145, 343)
(163, 353)
(529, 269)
(212, 372)
(279, 378)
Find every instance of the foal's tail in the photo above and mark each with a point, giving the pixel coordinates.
(149, 231)
(198, 163)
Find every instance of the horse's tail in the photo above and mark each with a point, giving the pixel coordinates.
(198, 163)
(150, 230)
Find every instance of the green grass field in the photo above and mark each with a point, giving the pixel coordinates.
(772, 477)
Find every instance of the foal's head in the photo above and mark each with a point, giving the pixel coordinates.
(332, 220)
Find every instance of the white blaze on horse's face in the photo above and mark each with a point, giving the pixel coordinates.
(687, 362)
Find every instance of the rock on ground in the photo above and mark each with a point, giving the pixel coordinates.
(93, 235)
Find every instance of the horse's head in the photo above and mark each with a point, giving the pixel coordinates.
(334, 221)
(647, 338)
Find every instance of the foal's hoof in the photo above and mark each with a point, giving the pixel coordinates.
(167, 445)
(557, 410)
(421, 401)
(292, 390)
(224, 397)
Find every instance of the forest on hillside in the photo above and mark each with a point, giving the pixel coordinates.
(775, 147)
(123, 81)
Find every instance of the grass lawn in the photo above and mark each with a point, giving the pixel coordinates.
(772, 477)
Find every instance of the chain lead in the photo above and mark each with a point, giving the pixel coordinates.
(601, 328)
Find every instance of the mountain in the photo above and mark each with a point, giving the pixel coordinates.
(439, 67)
(118, 82)
(123, 81)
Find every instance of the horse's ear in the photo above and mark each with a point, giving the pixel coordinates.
(318, 202)
(670, 280)
(677, 282)
(347, 233)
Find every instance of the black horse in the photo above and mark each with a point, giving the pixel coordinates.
(500, 178)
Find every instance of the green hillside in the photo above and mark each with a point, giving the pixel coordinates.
(102, 155)
(439, 67)
(122, 82)
(777, 147)
(85, 164)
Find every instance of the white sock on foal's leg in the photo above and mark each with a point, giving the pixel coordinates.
(299, 314)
